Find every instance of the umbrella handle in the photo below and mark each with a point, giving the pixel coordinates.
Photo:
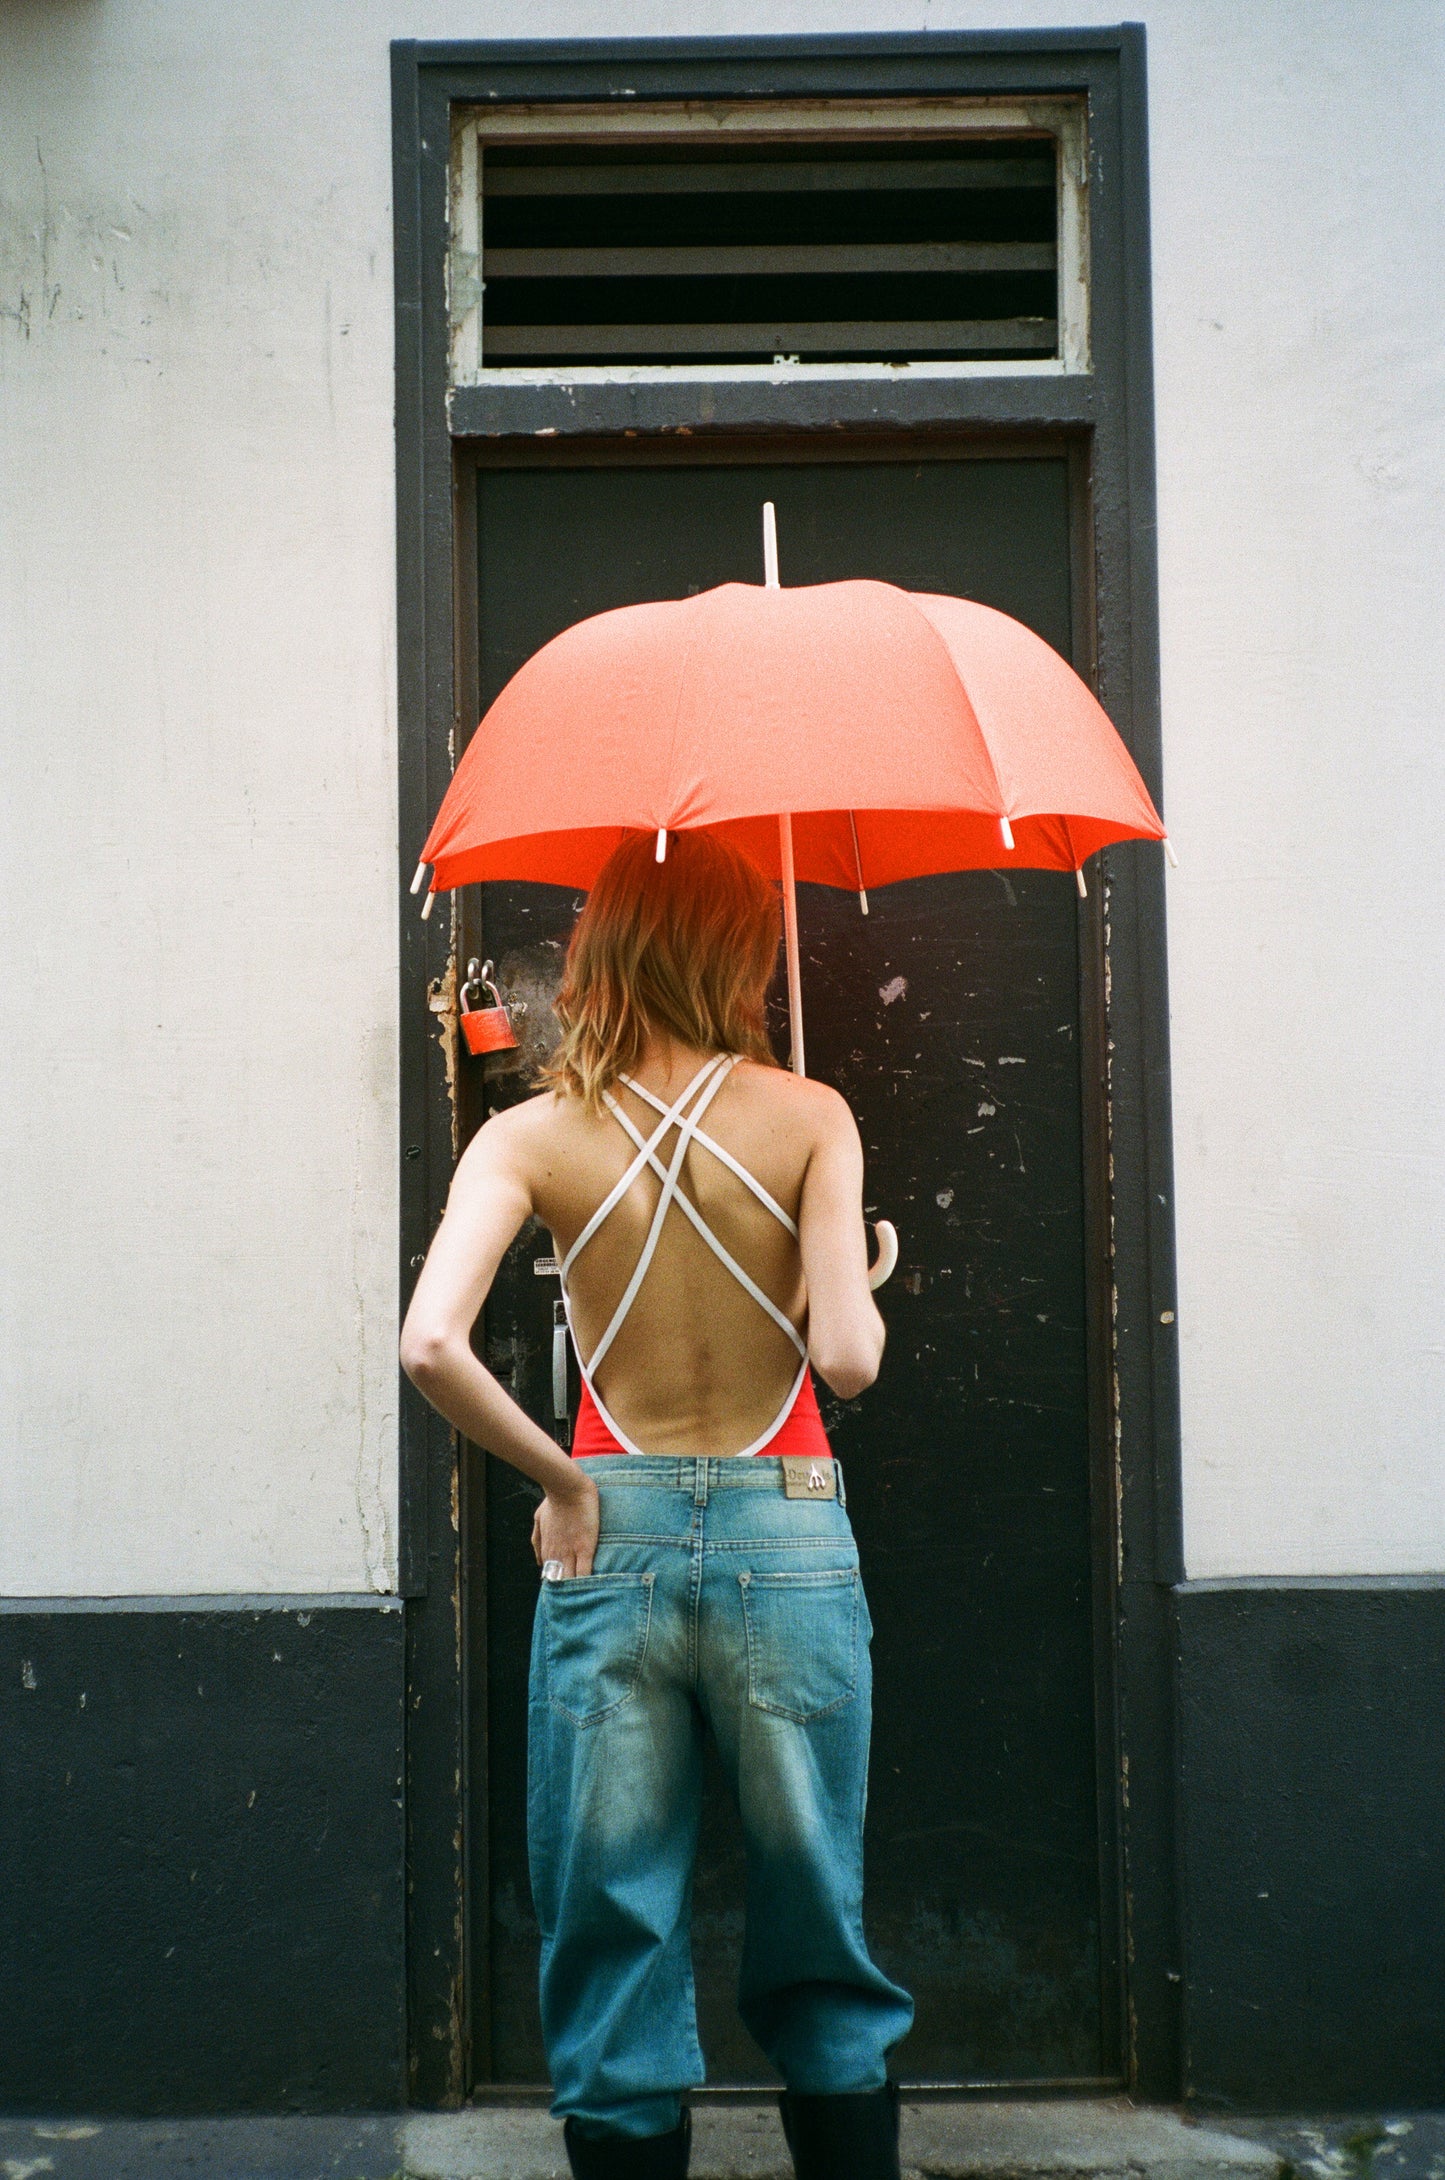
(887, 1253)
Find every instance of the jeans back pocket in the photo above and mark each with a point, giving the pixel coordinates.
(595, 1629)
(803, 1640)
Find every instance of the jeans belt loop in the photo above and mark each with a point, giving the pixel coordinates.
(699, 1482)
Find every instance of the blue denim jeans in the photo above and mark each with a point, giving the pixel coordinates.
(714, 1600)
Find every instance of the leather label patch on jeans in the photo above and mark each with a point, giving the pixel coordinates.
(808, 1479)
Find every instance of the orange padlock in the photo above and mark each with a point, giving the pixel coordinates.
(486, 1029)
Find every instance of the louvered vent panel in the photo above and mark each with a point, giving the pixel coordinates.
(839, 254)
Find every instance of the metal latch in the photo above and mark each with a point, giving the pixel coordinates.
(561, 1406)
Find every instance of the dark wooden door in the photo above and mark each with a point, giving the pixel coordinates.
(951, 1019)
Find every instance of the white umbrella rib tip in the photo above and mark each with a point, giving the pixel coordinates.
(1008, 832)
(662, 843)
(858, 863)
(420, 878)
(770, 546)
(1079, 882)
(426, 906)
(1173, 859)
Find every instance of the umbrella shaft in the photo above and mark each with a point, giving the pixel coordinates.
(790, 935)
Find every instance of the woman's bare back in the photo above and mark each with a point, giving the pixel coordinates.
(697, 1366)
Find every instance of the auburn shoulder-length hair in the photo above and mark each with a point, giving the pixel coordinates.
(685, 946)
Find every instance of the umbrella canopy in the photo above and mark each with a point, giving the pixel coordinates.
(851, 733)
(904, 734)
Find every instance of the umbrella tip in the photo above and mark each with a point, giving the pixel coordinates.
(1169, 852)
(662, 843)
(427, 906)
(1008, 832)
(770, 546)
(1079, 882)
(416, 883)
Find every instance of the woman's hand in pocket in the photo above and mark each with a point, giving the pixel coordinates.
(565, 1526)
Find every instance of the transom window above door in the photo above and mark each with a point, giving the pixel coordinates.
(764, 239)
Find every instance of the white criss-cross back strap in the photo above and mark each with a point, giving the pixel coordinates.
(706, 1083)
(702, 1089)
(685, 1205)
(700, 1135)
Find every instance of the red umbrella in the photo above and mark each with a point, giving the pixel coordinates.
(849, 733)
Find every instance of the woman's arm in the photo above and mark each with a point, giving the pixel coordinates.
(845, 1331)
(489, 1200)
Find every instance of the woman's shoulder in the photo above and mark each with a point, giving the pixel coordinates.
(535, 1124)
(814, 1109)
(554, 1123)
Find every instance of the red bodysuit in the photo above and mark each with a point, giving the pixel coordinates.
(798, 1427)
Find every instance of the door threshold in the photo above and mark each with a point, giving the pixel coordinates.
(498, 2096)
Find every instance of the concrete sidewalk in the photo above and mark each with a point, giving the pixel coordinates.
(1052, 2141)
(964, 2139)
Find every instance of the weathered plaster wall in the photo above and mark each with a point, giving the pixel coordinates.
(197, 602)
(1299, 186)
(200, 973)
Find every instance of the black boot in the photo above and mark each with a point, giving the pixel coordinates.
(629, 2157)
(848, 2137)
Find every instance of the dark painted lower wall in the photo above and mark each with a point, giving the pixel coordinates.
(201, 1875)
(1312, 1821)
(201, 1851)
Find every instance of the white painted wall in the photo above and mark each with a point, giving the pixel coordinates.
(197, 605)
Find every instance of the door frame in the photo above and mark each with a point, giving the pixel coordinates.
(1105, 418)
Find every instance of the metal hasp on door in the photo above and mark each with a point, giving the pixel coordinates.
(950, 1019)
